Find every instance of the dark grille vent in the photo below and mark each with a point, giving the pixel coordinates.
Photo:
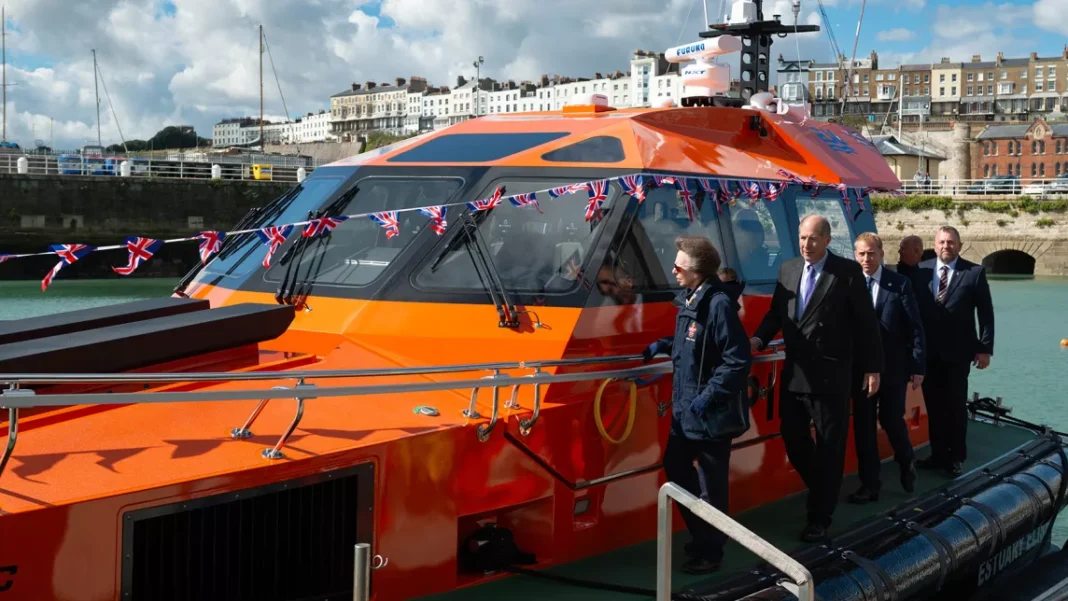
(289, 541)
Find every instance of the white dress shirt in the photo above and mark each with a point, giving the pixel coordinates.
(952, 265)
(878, 278)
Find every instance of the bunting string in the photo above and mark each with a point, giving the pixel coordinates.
(722, 191)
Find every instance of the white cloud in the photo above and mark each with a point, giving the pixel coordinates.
(1051, 15)
(898, 34)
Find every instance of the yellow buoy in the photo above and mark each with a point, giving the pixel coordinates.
(1064, 342)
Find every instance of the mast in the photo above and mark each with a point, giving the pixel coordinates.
(3, 66)
(96, 85)
(263, 144)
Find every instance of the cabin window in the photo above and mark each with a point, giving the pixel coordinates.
(532, 252)
(761, 239)
(358, 251)
(292, 206)
(659, 221)
(599, 149)
(832, 209)
(474, 148)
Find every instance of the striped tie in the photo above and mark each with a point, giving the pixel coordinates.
(943, 282)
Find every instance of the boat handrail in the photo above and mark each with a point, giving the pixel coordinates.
(14, 398)
(17, 380)
(802, 584)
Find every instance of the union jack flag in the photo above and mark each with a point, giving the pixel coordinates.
(663, 180)
(486, 204)
(322, 225)
(68, 254)
(573, 270)
(437, 218)
(141, 250)
(709, 187)
(772, 190)
(6, 257)
(568, 189)
(752, 190)
(598, 194)
(388, 220)
(634, 186)
(273, 236)
(862, 194)
(530, 199)
(806, 184)
(687, 197)
(726, 195)
(210, 243)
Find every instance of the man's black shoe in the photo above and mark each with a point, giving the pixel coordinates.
(955, 469)
(814, 533)
(700, 565)
(908, 477)
(863, 495)
(930, 464)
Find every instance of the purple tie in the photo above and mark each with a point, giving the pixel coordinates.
(808, 285)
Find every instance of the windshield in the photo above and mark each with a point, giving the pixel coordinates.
(359, 250)
(292, 206)
(533, 252)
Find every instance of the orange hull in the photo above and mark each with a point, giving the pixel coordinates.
(564, 490)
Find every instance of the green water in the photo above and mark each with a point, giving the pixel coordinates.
(1025, 370)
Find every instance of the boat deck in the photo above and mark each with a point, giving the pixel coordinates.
(779, 523)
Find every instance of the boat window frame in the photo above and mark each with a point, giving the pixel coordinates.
(598, 245)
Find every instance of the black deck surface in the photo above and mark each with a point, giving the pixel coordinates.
(18, 330)
(779, 523)
(148, 342)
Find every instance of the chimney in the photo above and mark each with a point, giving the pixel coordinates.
(371, 85)
(976, 58)
(355, 87)
(1064, 53)
(945, 60)
(1034, 56)
(400, 82)
(597, 76)
(460, 80)
(1001, 57)
(544, 81)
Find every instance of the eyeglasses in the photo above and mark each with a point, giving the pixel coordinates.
(681, 268)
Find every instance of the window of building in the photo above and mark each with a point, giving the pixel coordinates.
(971, 77)
(1038, 72)
(1041, 147)
(892, 76)
(1034, 169)
(953, 91)
(1034, 147)
(1058, 168)
(1038, 86)
(969, 90)
(1058, 146)
(994, 170)
(953, 77)
(942, 78)
(1052, 72)
(941, 91)
(986, 170)
(878, 77)
(990, 90)
(1041, 169)
(1010, 169)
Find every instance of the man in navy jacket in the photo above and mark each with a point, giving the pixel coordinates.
(901, 331)
(711, 358)
(952, 293)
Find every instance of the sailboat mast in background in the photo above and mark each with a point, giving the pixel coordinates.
(263, 146)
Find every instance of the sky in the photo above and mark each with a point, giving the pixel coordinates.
(194, 62)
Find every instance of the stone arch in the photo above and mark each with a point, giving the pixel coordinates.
(1009, 262)
(1007, 257)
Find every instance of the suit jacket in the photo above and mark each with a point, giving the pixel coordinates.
(950, 325)
(900, 328)
(903, 269)
(838, 327)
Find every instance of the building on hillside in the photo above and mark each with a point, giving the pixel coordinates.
(372, 107)
(905, 160)
(1010, 88)
(1032, 152)
(235, 132)
(826, 82)
(915, 93)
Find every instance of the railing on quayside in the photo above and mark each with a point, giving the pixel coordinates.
(154, 168)
(14, 397)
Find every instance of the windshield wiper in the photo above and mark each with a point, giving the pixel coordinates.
(300, 288)
(480, 254)
(180, 288)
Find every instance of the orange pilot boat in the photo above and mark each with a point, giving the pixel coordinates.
(456, 343)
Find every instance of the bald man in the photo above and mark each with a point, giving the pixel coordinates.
(909, 252)
(823, 308)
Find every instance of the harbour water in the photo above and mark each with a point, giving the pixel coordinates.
(1026, 369)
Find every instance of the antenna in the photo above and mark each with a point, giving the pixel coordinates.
(3, 65)
(97, 86)
(746, 21)
(263, 145)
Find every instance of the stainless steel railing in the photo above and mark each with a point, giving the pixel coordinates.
(15, 397)
(802, 584)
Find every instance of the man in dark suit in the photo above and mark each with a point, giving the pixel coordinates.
(952, 292)
(827, 320)
(909, 253)
(901, 330)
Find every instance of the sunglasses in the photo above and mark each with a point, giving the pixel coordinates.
(681, 268)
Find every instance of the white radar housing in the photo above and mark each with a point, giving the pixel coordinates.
(702, 78)
(742, 11)
(589, 100)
